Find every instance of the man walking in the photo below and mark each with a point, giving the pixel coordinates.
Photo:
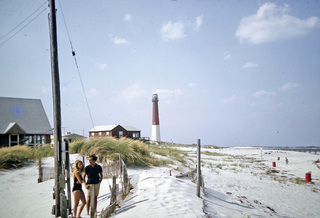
(94, 173)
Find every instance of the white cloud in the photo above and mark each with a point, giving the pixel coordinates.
(227, 56)
(168, 91)
(262, 94)
(272, 23)
(168, 95)
(129, 94)
(192, 84)
(233, 99)
(250, 65)
(92, 93)
(173, 30)
(288, 86)
(177, 30)
(127, 17)
(119, 41)
(101, 66)
(199, 21)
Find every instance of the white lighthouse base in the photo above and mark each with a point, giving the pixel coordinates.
(155, 134)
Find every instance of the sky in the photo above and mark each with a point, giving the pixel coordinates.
(230, 73)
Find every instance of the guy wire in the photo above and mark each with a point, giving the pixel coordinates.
(76, 63)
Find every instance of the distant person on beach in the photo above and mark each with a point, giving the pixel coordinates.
(287, 161)
(94, 173)
(77, 191)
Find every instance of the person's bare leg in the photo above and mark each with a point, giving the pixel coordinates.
(88, 205)
(83, 202)
(76, 195)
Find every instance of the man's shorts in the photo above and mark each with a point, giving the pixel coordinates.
(93, 190)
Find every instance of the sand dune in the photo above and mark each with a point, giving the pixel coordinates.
(241, 183)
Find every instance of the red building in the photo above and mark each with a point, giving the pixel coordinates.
(117, 131)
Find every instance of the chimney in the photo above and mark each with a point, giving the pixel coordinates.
(155, 119)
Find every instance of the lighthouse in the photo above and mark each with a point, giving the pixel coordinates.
(155, 136)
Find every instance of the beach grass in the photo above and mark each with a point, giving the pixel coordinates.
(209, 153)
(17, 156)
(167, 150)
(133, 152)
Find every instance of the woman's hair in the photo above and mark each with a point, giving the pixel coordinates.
(76, 167)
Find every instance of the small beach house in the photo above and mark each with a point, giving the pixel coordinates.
(23, 122)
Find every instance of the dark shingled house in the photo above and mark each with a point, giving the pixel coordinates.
(23, 122)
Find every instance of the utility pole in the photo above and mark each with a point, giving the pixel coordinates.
(59, 178)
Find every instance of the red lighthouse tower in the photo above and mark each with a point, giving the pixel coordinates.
(155, 136)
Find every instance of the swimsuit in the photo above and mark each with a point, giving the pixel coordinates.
(76, 186)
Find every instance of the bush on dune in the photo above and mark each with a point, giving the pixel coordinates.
(14, 157)
(77, 145)
(42, 151)
(133, 152)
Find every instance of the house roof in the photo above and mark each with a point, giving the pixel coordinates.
(72, 135)
(26, 116)
(103, 128)
(131, 128)
(111, 127)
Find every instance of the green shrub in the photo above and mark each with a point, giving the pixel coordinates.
(76, 146)
(43, 151)
(14, 157)
(133, 152)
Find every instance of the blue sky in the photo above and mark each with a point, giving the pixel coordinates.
(231, 73)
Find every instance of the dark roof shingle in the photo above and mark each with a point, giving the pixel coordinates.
(29, 114)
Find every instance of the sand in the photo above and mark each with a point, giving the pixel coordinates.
(241, 183)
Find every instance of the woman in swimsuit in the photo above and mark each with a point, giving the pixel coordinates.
(77, 188)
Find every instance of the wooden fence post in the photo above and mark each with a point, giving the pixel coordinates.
(125, 181)
(120, 164)
(67, 168)
(198, 168)
(40, 179)
(113, 192)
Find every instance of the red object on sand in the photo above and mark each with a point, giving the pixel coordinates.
(278, 158)
(274, 164)
(308, 177)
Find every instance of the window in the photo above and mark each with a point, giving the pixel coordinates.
(13, 140)
(100, 134)
(135, 135)
(120, 133)
(107, 133)
(92, 134)
(38, 141)
(28, 140)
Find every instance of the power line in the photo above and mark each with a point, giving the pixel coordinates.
(19, 30)
(76, 63)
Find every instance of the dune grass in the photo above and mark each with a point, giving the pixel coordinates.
(17, 156)
(167, 150)
(133, 152)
